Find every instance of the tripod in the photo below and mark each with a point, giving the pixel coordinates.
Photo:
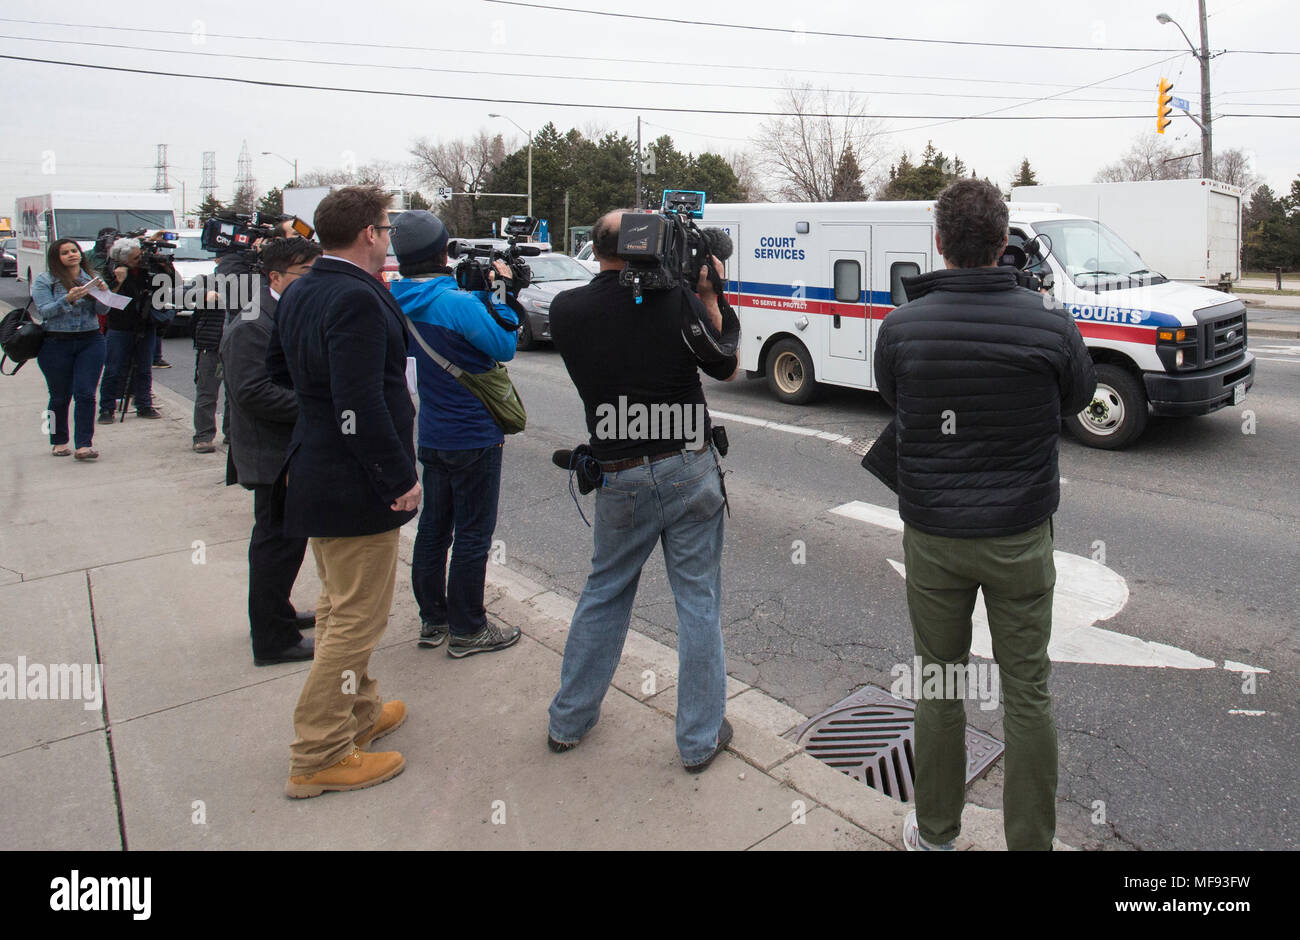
(124, 402)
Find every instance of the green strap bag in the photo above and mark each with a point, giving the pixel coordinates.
(493, 387)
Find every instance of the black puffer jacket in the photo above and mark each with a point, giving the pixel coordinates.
(209, 323)
(979, 372)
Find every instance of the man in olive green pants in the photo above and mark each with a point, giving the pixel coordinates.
(979, 372)
(1017, 574)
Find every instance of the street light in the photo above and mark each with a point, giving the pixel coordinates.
(1203, 57)
(293, 163)
(530, 158)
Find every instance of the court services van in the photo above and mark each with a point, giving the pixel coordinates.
(812, 283)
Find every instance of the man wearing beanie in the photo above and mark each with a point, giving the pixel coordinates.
(459, 444)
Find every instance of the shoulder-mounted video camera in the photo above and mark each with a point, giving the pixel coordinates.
(476, 257)
(665, 249)
(231, 231)
(1029, 262)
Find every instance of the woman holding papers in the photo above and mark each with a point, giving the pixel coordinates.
(72, 356)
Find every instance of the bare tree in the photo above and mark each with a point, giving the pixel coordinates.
(744, 164)
(801, 152)
(1149, 158)
(462, 165)
(1237, 167)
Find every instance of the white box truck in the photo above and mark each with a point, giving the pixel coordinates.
(812, 283)
(1187, 230)
(50, 216)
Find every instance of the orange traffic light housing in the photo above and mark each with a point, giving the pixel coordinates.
(1164, 105)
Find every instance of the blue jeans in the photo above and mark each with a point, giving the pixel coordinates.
(461, 488)
(71, 363)
(121, 344)
(676, 502)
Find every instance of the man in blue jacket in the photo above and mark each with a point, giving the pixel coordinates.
(460, 443)
(348, 483)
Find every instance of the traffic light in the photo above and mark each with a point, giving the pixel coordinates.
(1164, 105)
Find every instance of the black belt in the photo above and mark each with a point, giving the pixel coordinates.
(613, 466)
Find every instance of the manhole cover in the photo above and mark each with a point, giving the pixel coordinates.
(871, 737)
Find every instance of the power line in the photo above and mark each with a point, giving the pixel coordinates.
(789, 31)
(496, 54)
(541, 75)
(553, 104)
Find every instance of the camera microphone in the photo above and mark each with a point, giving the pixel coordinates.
(528, 251)
(719, 242)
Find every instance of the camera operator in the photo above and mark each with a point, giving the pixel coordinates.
(130, 333)
(655, 489)
(460, 443)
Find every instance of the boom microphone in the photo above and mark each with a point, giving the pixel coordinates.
(719, 242)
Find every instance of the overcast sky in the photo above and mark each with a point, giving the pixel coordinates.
(99, 130)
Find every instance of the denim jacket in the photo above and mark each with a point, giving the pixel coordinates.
(53, 309)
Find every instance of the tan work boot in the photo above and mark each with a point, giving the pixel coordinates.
(392, 715)
(358, 770)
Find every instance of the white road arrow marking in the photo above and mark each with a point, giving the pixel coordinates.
(1085, 592)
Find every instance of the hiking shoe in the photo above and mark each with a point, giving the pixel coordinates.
(487, 640)
(431, 635)
(724, 738)
(913, 842)
(390, 719)
(204, 447)
(148, 413)
(358, 770)
(162, 364)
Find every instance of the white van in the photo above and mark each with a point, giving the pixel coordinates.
(811, 283)
(50, 216)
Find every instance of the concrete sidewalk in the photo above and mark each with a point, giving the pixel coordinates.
(139, 562)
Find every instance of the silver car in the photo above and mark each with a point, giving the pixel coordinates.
(552, 273)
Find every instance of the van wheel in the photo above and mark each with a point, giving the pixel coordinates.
(790, 373)
(1117, 413)
(526, 341)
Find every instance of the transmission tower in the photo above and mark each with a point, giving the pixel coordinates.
(161, 184)
(245, 185)
(208, 183)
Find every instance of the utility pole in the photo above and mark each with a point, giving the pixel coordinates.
(1207, 133)
(566, 220)
(638, 161)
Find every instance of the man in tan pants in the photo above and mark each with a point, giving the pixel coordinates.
(348, 484)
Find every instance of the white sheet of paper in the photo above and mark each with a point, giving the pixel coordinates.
(116, 301)
(412, 380)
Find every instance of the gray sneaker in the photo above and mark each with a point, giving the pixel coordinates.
(487, 640)
(431, 635)
(913, 842)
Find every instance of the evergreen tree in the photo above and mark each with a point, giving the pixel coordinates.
(271, 205)
(211, 206)
(1026, 177)
(847, 185)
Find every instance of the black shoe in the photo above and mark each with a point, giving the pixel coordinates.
(431, 635)
(162, 364)
(488, 640)
(306, 619)
(724, 738)
(147, 413)
(107, 419)
(559, 747)
(302, 651)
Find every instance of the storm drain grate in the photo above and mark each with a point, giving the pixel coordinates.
(871, 737)
(861, 445)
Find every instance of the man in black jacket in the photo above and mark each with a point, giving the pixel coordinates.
(262, 415)
(348, 484)
(979, 372)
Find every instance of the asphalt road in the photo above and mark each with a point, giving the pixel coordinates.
(1198, 518)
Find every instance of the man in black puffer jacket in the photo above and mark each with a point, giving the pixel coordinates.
(980, 372)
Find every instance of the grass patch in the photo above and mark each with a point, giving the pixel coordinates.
(1270, 292)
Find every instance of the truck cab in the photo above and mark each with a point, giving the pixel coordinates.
(1160, 347)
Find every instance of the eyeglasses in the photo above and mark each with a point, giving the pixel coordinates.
(380, 228)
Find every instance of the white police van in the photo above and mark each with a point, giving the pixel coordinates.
(812, 282)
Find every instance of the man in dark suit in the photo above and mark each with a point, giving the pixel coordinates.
(348, 484)
(262, 416)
